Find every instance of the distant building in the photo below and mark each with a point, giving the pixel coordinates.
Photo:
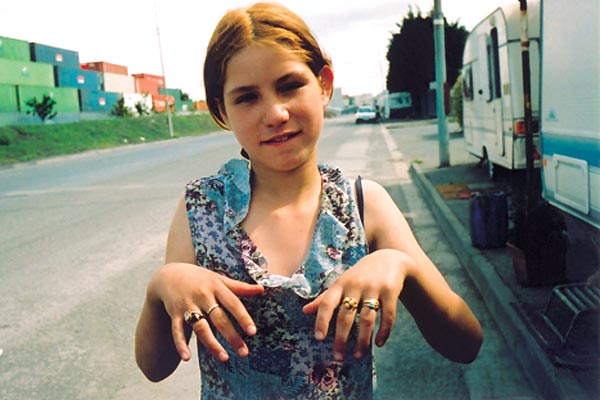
(365, 99)
(336, 104)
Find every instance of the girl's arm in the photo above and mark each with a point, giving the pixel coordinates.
(162, 338)
(396, 268)
(155, 351)
(443, 317)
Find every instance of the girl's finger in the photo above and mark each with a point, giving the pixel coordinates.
(368, 314)
(389, 302)
(207, 338)
(242, 289)
(345, 321)
(327, 303)
(179, 338)
(220, 321)
(230, 302)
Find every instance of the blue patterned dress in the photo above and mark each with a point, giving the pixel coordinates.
(285, 361)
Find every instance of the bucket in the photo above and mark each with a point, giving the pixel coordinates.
(489, 220)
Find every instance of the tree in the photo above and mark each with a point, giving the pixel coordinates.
(120, 109)
(43, 109)
(411, 56)
(142, 108)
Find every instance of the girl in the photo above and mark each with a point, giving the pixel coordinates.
(267, 261)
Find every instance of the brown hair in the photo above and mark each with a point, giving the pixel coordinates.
(262, 23)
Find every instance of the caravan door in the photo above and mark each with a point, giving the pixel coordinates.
(495, 90)
(490, 79)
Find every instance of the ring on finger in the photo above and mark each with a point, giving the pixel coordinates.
(351, 303)
(373, 304)
(211, 309)
(192, 316)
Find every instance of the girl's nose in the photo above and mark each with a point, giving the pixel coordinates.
(275, 114)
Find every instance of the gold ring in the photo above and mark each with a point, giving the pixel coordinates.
(211, 309)
(350, 303)
(191, 317)
(373, 304)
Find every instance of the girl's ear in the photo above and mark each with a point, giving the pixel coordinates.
(326, 82)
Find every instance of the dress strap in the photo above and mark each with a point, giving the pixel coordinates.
(360, 199)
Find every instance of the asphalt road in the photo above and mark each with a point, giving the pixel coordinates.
(81, 236)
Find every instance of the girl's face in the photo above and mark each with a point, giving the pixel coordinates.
(274, 104)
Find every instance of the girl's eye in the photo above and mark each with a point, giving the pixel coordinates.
(291, 86)
(245, 98)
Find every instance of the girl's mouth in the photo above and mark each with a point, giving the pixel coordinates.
(281, 138)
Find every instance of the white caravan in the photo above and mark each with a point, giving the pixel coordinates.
(394, 105)
(493, 107)
(570, 104)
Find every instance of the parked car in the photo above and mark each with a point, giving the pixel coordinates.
(366, 114)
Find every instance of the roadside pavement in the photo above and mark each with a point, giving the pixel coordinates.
(561, 372)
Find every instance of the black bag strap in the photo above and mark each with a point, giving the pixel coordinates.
(360, 199)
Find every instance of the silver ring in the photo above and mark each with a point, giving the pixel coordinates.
(192, 316)
(373, 304)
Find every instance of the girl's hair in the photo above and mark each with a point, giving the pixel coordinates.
(262, 23)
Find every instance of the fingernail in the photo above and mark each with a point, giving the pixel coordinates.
(319, 335)
(223, 356)
(242, 351)
(338, 356)
(251, 330)
(358, 355)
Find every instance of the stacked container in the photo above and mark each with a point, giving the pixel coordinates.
(148, 84)
(97, 101)
(77, 78)
(14, 49)
(8, 98)
(113, 82)
(177, 94)
(67, 100)
(117, 83)
(54, 55)
(160, 102)
(15, 60)
(17, 72)
(106, 67)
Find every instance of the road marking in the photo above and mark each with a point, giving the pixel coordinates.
(88, 189)
(399, 166)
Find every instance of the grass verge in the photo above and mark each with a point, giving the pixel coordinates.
(34, 142)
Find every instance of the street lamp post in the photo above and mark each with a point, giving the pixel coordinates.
(162, 66)
(440, 78)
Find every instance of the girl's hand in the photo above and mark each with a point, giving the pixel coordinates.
(379, 276)
(179, 287)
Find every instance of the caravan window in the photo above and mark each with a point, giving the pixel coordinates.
(493, 65)
(467, 83)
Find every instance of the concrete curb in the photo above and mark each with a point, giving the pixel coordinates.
(551, 381)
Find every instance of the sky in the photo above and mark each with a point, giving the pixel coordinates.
(355, 33)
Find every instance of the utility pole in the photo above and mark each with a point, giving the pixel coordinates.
(440, 78)
(162, 66)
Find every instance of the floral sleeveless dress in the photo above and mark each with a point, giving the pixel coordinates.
(285, 360)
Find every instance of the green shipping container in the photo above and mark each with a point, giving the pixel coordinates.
(8, 98)
(67, 99)
(176, 93)
(184, 105)
(16, 72)
(14, 49)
